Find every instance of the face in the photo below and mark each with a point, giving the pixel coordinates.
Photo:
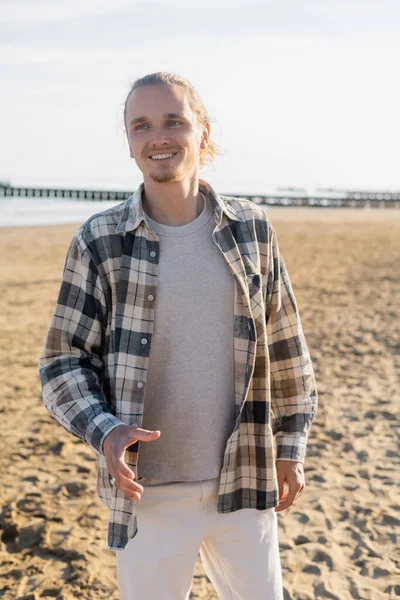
(159, 121)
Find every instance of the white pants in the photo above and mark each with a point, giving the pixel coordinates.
(239, 550)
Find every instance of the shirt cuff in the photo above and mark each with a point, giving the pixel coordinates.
(291, 447)
(99, 428)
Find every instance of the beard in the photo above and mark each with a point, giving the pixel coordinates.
(172, 174)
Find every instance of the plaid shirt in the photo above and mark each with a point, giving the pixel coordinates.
(93, 365)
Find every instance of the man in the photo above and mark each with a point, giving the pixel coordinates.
(176, 337)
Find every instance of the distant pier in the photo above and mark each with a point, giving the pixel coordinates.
(329, 198)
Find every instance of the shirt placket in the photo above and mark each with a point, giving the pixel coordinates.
(223, 238)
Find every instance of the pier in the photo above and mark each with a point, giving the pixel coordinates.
(330, 197)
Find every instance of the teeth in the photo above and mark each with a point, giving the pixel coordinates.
(160, 156)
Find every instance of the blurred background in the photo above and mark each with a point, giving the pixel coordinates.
(302, 95)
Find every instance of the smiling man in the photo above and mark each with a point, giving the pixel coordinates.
(167, 145)
(176, 337)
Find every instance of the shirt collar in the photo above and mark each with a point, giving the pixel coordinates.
(133, 212)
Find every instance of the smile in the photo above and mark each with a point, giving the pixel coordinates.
(163, 156)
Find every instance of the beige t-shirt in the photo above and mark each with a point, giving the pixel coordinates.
(189, 393)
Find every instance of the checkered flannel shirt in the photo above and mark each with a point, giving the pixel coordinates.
(93, 365)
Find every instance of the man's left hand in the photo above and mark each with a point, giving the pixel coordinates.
(292, 473)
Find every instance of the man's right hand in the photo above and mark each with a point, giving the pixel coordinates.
(114, 446)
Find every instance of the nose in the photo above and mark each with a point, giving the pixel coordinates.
(160, 138)
(160, 142)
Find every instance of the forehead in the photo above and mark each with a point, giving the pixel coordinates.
(152, 101)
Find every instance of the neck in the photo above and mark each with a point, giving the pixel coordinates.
(174, 203)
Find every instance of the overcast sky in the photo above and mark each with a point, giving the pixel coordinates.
(301, 93)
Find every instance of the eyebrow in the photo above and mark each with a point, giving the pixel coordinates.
(166, 116)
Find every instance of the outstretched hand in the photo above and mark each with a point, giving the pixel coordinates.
(290, 475)
(114, 446)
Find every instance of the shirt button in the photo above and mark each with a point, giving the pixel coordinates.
(153, 253)
(140, 384)
(144, 341)
(150, 297)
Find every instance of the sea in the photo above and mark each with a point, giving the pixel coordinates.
(18, 212)
(21, 211)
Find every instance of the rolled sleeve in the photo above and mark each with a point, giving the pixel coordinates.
(98, 429)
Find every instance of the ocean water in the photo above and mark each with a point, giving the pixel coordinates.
(16, 212)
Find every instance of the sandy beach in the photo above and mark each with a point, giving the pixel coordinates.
(340, 540)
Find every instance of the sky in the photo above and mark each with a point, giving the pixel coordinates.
(301, 94)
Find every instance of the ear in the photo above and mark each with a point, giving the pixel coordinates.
(205, 136)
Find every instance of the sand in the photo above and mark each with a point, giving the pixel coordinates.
(339, 540)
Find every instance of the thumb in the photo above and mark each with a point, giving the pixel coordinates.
(145, 435)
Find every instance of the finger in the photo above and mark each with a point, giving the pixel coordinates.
(132, 486)
(145, 435)
(133, 490)
(125, 478)
(123, 469)
(281, 501)
(127, 485)
(281, 482)
(289, 499)
(135, 496)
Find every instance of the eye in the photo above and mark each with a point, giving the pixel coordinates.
(172, 121)
(139, 126)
